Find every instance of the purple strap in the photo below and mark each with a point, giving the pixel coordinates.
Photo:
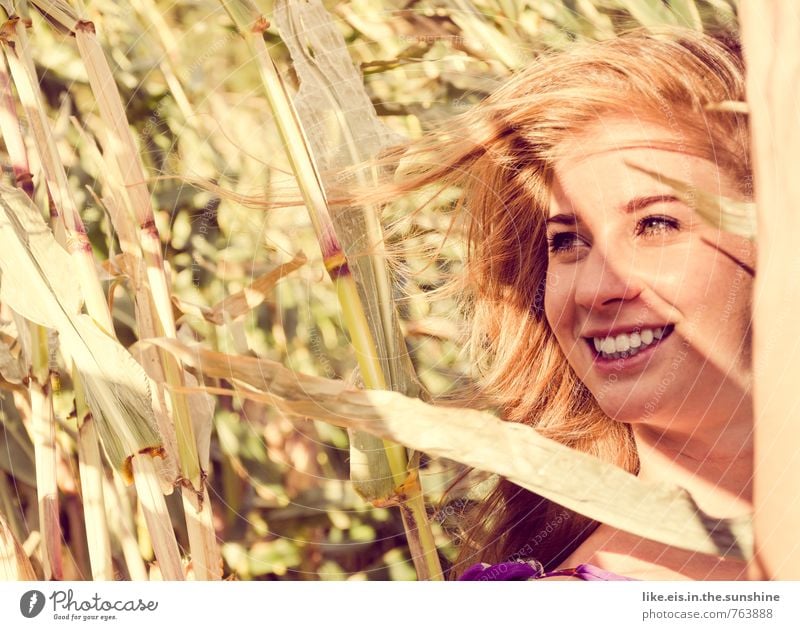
(521, 570)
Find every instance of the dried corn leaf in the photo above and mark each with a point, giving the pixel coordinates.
(578, 481)
(736, 107)
(12, 368)
(201, 411)
(58, 12)
(14, 564)
(335, 110)
(242, 302)
(39, 284)
(16, 449)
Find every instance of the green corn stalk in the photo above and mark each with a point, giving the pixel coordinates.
(332, 98)
(406, 488)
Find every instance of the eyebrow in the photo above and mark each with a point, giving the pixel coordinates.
(635, 204)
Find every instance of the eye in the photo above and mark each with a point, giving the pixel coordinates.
(656, 225)
(562, 242)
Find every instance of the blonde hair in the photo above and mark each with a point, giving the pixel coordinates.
(500, 154)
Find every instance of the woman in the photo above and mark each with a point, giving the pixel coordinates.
(604, 311)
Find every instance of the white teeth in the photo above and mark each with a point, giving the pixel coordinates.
(624, 345)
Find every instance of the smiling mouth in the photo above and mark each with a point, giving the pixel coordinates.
(642, 348)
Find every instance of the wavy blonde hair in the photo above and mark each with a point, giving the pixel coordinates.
(500, 155)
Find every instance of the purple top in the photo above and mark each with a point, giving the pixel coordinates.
(521, 570)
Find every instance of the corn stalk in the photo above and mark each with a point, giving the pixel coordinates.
(43, 432)
(123, 154)
(90, 463)
(406, 490)
(121, 441)
(39, 379)
(124, 162)
(120, 522)
(92, 493)
(39, 283)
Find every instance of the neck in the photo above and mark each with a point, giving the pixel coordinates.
(712, 460)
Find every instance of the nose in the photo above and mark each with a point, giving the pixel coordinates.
(606, 280)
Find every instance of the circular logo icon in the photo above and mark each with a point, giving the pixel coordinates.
(31, 603)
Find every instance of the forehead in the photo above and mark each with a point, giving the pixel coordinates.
(597, 168)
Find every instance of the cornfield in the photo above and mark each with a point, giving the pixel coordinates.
(203, 375)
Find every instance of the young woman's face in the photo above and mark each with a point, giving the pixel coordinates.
(651, 315)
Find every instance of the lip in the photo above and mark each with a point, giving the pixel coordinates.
(614, 366)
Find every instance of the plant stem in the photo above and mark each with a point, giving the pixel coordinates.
(252, 25)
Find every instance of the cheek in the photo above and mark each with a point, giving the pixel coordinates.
(718, 312)
(716, 289)
(731, 307)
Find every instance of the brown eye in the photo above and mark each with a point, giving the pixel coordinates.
(655, 225)
(562, 242)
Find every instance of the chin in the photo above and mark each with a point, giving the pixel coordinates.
(626, 410)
